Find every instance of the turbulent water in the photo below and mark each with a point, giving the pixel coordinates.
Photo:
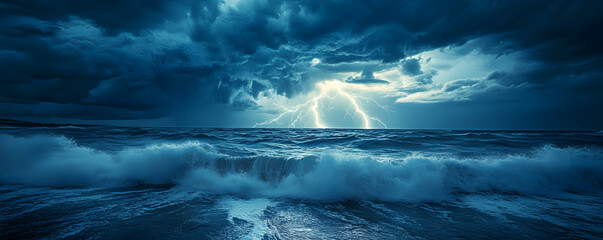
(196, 183)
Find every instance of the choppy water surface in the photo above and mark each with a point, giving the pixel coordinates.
(194, 183)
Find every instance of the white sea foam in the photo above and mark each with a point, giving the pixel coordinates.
(251, 211)
(58, 161)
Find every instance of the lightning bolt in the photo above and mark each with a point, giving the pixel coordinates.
(312, 107)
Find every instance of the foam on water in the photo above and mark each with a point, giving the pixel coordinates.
(249, 210)
(185, 183)
(57, 161)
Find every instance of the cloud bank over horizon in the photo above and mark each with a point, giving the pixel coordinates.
(232, 63)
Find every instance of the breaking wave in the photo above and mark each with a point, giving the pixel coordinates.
(41, 160)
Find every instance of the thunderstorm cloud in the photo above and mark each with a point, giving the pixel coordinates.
(451, 64)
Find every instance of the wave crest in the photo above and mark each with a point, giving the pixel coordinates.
(58, 161)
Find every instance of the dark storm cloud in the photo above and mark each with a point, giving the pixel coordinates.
(113, 15)
(411, 67)
(426, 78)
(367, 77)
(145, 57)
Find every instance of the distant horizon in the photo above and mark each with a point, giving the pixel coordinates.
(66, 123)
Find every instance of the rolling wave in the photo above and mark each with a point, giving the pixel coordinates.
(41, 160)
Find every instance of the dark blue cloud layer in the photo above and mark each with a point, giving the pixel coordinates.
(151, 59)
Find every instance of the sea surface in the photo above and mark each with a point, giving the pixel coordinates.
(100, 182)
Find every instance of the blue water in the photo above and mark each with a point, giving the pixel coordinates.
(90, 182)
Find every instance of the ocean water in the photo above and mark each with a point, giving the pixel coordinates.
(99, 182)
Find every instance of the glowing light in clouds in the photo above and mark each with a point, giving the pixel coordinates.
(327, 90)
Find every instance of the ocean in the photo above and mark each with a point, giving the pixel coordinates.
(103, 182)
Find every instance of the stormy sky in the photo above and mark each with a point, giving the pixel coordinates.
(465, 64)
